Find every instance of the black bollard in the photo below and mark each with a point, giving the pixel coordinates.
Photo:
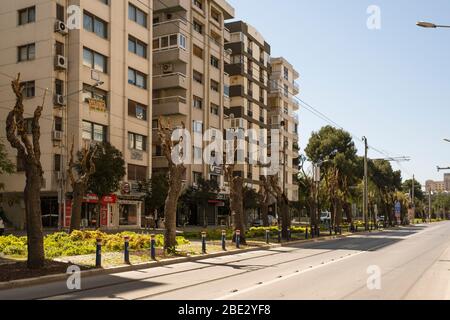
(306, 233)
(279, 236)
(152, 247)
(267, 236)
(224, 237)
(98, 254)
(238, 239)
(127, 250)
(204, 242)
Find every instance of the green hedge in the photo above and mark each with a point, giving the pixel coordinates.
(81, 243)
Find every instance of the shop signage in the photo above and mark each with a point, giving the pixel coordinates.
(92, 198)
(97, 104)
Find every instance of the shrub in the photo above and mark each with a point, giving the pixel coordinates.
(81, 243)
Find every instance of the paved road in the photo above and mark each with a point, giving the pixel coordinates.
(414, 263)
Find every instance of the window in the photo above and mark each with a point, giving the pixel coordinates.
(155, 124)
(286, 73)
(58, 124)
(28, 123)
(286, 90)
(137, 78)
(197, 126)
(27, 52)
(198, 52)
(105, 2)
(93, 131)
(137, 15)
(29, 90)
(57, 162)
(176, 40)
(137, 110)
(198, 77)
(198, 154)
(27, 15)
(226, 91)
(137, 47)
(198, 27)
(137, 173)
(60, 13)
(214, 109)
(59, 87)
(197, 177)
(197, 102)
(90, 92)
(137, 141)
(94, 60)
(215, 62)
(59, 48)
(198, 4)
(94, 24)
(215, 15)
(214, 86)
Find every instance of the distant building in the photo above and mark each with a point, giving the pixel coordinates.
(438, 186)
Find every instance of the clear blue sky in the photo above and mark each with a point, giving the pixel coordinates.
(392, 84)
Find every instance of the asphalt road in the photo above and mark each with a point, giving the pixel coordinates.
(412, 263)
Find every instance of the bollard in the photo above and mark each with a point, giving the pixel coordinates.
(267, 236)
(204, 242)
(224, 237)
(279, 236)
(126, 250)
(98, 254)
(289, 235)
(331, 230)
(340, 230)
(152, 247)
(238, 239)
(356, 229)
(306, 233)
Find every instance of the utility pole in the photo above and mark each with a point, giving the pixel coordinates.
(429, 205)
(366, 186)
(412, 197)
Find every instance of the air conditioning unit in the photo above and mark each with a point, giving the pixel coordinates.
(57, 135)
(60, 62)
(60, 100)
(61, 27)
(167, 68)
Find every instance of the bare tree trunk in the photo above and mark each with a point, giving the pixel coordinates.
(265, 214)
(29, 152)
(35, 239)
(170, 209)
(77, 202)
(237, 207)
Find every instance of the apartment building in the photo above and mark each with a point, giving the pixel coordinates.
(95, 59)
(249, 80)
(283, 115)
(438, 186)
(190, 84)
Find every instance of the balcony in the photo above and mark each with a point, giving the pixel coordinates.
(169, 27)
(170, 80)
(170, 106)
(170, 55)
(172, 5)
(226, 35)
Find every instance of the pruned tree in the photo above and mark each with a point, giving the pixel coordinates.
(264, 200)
(175, 178)
(236, 185)
(29, 153)
(283, 204)
(79, 173)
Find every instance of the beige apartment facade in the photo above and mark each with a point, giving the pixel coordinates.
(98, 72)
(283, 115)
(190, 86)
(249, 79)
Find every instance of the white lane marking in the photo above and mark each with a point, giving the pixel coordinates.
(311, 268)
(283, 278)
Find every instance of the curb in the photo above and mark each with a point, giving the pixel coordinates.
(127, 268)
